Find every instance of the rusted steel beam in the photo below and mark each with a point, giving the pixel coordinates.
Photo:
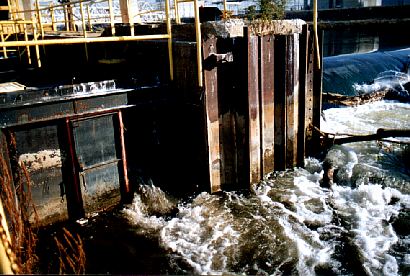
(212, 116)
(76, 209)
(317, 95)
(307, 58)
(267, 82)
(305, 98)
(127, 189)
(254, 109)
(280, 102)
(292, 92)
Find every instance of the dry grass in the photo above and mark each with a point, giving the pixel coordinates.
(20, 209)
(18, 205)
(72, 256)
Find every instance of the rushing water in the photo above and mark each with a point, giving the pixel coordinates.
(288, 223)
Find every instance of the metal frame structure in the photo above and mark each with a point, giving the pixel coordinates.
(43, 20)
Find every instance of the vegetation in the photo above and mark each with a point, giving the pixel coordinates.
(269, 10)
(23, 222)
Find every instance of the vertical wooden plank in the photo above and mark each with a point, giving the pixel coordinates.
(280, 103)
(267, 102)
(253, 109)
(292, 92)
(212, 117)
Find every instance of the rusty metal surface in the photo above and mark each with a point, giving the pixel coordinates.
(98, 158)
(292, 90)
(305, 93)
(267, 101)
(127, 188)
(212, 114)
(317, 95)
(38, 149)
(19, 115)
(280, 102)
(253, 105)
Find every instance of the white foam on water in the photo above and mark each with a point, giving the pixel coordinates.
(368, 210)
(309, 207)
(366, 118)
(202, 234)
(137, 213)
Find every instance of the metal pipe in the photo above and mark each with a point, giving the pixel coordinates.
(83, 20)
(127, 188)
(315, 32)
(198, 43)
(39, 18)
(225, 10)
(111, 17)
(169, 31)
(130, 19)
(3, 40)
(82, 40)
(177, 18)
(67, 24)
(27, 47)
(89, 18)
(53, 23)
(72, 154)
(36, 45)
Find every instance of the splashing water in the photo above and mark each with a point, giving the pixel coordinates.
(288, 223)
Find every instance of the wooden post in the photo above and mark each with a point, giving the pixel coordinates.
(254, 109)
(267, 115)
(212, 117)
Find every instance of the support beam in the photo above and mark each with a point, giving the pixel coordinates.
(254, 109)
(212, 117)
(267, 116)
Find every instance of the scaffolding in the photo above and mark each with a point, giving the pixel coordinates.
(74, 22)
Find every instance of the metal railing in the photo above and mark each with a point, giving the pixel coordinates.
(76, 18)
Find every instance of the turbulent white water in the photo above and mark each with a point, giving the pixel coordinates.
(288, 223)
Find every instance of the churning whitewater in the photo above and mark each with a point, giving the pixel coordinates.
(289, 224)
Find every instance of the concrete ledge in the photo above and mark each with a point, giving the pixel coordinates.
(279, 27)
(225, 28)
(235, 27)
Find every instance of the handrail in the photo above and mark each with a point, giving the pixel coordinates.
(85, 20)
